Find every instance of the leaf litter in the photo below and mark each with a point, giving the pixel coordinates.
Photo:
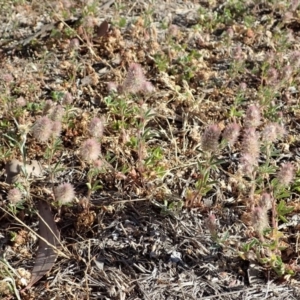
(46, 255)
(129, 242)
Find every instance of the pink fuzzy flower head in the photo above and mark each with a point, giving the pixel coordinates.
(210, 138)
(250, 151)
(68, 99)
(238, 53)
(90, 150)
(14, 196)
(99, 164)
(211, 223)
(272, 132)
(56, 129)
(285, 174)
(173, 30)
(272, 76)
(230, 32)
(112, 87)
(294, 5)
(260, 220)
(147, 87)
(252, 118)
(57, 113)
(64, 193)
(295, 59)
(247, 164)
(286, 72)
(251, 143)
(135, 79)
(74, 44)
(7, 78)
(42, 129)
(21, 102)
(66, 4)
(231, 133)
(96, 128)
(242, 86)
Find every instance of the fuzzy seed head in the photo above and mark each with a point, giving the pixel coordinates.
(231, 133)
(238, 53)
(272, 132)
(98, 164)
(57, 113)
(21, 102)
(242, 87)
(147, 87)
(260, 219)
(56, 129)
(285, 174)
(211, 223)
(135, 79)
(294, 5)
(89, 22)
(7, 78)
(66, 4)
(74, 44)
(64, 193)
(14, 196)
(250, 151)
(230, 32)
(210, 138)
(252, 118)
(251, 143)
(247, 164)
(96, 128)
(295, 59)
(90, 150)
(272, 76)
(42, 129)
(287, 72)
(112, 87)
(173, 30)
(68, 99)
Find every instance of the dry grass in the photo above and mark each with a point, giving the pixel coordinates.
(160, 214)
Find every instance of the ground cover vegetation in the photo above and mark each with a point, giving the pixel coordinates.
(149, 149)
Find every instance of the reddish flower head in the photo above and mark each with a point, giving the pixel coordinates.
(231, 133)
(96, 128)
(64, 193)
(252, 118)
(210, 138)
(90, 149)
(14, 196)
(135, 79)
(260, 219)
(272, 132)
(251, 143)
(42, 129)
(285, 174)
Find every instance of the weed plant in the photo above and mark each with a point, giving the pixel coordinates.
(188, 117)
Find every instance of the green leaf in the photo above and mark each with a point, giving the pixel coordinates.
(283, 209)
(122, 22)
(248, 246)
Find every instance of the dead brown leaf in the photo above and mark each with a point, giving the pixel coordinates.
(102, 29)
(46, 255)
